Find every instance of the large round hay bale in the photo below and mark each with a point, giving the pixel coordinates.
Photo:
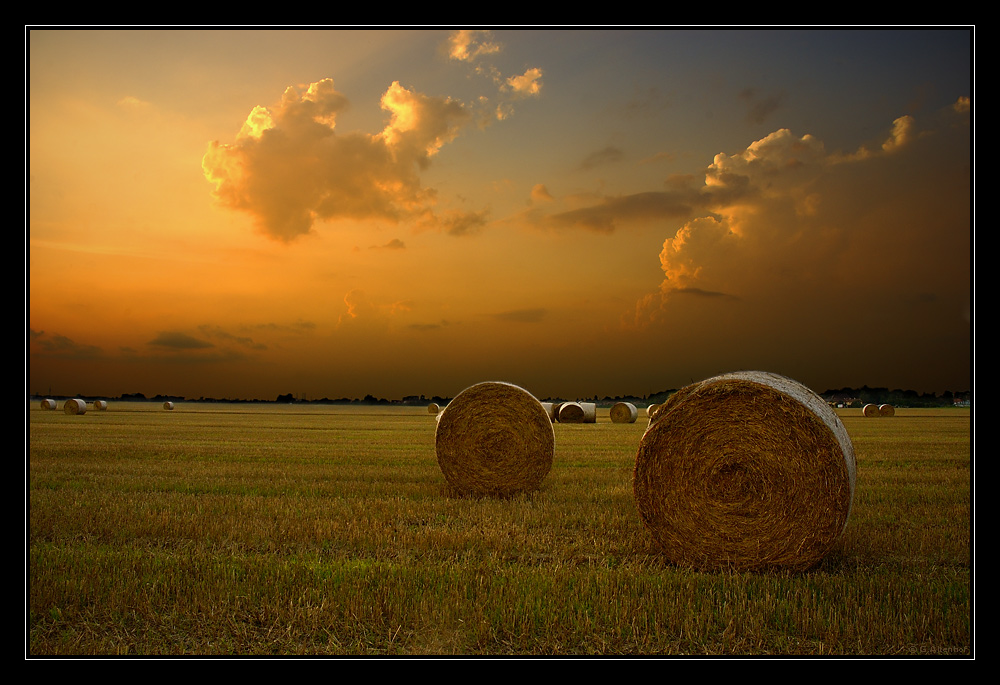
(75, 406)
(496, 439)
(624, 412)
(168, 406)
(870, 410)
(886, 410)
(433, 408)
(100, 405)
(578, 412)
(748, 470)
(48, 405)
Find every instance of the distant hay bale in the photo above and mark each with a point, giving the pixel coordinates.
(650, 409)
(556, 406)
(624, 412)
(870, 410)
(48, 405)
(495, 439)
(75, 406)
(168, 405)
(433, 408)
(745, 471)
(578, 412)
(550, 409)
(100, 405)
(886, 410)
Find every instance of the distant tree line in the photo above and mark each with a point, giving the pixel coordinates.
(849, 397)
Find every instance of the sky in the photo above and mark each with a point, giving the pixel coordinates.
(244, 213)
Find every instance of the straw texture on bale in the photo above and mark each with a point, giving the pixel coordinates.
(168, 405)
(578, 412)
(75, 407)
(48, 404)
(624, 412)
(870, 410)
(494, 439)
(886, 410)
(100, 405)
(745, 471)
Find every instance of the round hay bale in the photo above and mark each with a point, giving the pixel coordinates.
(494, 439)
(578, 412)
(433, 408)
(48, 405)
(870, 410)
(168, 406)
(650, 409)
(556, 406)
(745, 471)
(550, 409)
(100, 405)
(886, 410)
(75, 406)
(624, 412)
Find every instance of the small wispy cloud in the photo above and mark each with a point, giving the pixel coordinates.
(607, 155)
(179, 341)
(535, 315)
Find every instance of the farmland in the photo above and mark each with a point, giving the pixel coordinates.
(225, 529)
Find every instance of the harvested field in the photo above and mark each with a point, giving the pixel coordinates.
(284, 530)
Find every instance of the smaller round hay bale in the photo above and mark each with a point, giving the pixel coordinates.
(650, 409)
(624, 412)
(75, 406)
(433, 408)
(550, 409)
(870, 410)
(494, 439)
(168, 406)
(48, 405)
(886, 410)
(578, 412)
(556, 406)
(101, 405)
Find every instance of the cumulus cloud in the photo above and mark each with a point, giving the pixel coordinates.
(289, 167)
(784, 220)
(467, 45)
(475, 47)
(527, 84)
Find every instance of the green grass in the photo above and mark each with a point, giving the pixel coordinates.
(321, 530)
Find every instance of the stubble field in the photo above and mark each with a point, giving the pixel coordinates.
(244, 529)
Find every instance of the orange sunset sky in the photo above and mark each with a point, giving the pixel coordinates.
(335, 213)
